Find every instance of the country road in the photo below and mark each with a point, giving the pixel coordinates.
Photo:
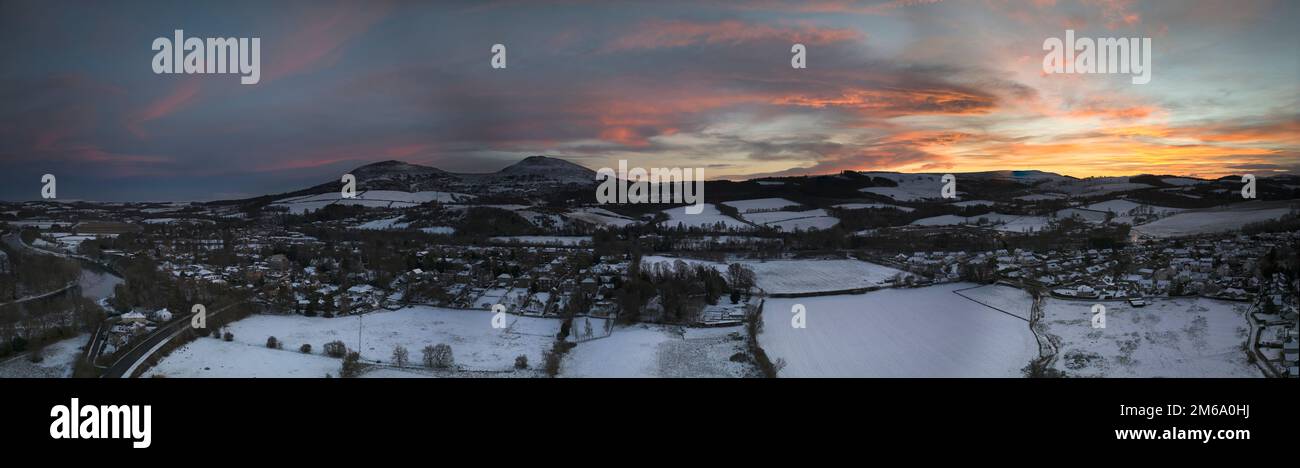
(127, 364)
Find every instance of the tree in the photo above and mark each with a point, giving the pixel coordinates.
(272, 343)
(305, 348)
(438, 356)
(336, 349)
(351, 366)
(740, 276)
(400, 356)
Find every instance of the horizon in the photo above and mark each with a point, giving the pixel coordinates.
(889, 86)
(595, 180)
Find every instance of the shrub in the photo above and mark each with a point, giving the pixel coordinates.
(228, 336)
(336, 349)
(305, 348)
(272, 343)
(521, 362)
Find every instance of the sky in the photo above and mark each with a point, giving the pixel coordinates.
(897, 85)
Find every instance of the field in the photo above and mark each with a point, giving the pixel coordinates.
(1214, 220)
(924, 332)
(996, 221)
(475, 344)
(658, 351)
(57, 360)
(761, 204)
(802, 276)
(706, 219)
(370, 198)
(1189, 337)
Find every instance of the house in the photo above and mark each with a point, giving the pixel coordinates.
(134, 317)
(588, 285)
(162, 315)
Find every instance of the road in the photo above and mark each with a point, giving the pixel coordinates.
(125, 365)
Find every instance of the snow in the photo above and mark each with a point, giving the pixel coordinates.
(213, 358)
(800, 276)
(792, 220)
(707, 218)
(761, 204)
(1093, 186)
(1126, 207)
(1005, 298)
(912, 192)
(369, 198)
(645, 350)
(599, 217)
(1185, 337)
(382, 224)
(923, 332)
(806, 224)
(1222, 219)
(998, 221)
(475, 344)
(58, 360)
(774, 216)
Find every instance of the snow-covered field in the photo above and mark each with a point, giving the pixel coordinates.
(382, 224)
(923, 332)
(57, 360)
(599, 216)
(997, 221)
(801, 276)
(1090, 216)
(761, 204)
(369, 198)
(1010, 300)
(814, 223)
(1125, 211)
(793, 220)
(659, 351)
(475, 344)
(213, 358)
(1186, 337)
(911, 187)
(706, 219)
(1214, 220)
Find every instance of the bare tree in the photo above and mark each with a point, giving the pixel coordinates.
(428, 352)
(400, 356)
